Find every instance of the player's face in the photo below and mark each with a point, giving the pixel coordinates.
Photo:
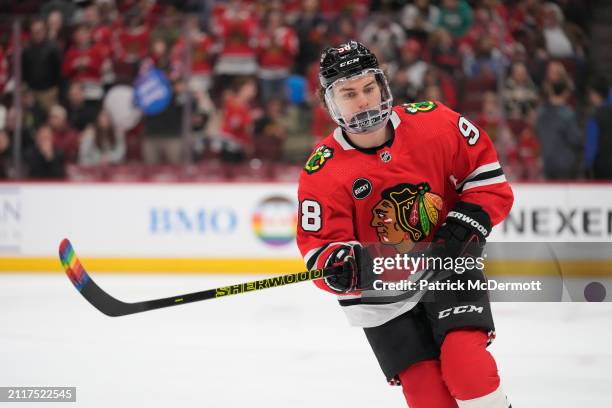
(357, 95)
(385, 222)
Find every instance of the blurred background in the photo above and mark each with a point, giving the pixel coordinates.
(196, 90)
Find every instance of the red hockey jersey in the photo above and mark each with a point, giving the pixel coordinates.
(397, 194)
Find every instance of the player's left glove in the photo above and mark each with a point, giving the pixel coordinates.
(463, 232)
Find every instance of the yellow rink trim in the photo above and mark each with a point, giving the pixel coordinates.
(574, 268)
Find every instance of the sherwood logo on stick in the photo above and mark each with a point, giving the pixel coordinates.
(268, 283)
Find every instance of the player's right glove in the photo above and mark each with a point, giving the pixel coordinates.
(356, 263)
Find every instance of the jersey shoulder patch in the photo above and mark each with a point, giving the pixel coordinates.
(318, 158)
(419, 107)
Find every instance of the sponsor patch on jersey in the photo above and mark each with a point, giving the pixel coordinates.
(361, 188)
(318, 158)
(416, 107)
(405, 214)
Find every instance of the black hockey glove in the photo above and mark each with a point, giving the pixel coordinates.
(463, 232)
(356, 263)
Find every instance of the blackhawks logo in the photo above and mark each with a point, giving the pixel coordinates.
(318, 158)
(416, 107)
(406, 214)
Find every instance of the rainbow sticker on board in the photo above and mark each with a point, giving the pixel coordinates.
(274, 221)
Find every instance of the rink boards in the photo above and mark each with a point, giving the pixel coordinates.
(237, 228)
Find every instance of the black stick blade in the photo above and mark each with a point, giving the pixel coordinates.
(88, 288)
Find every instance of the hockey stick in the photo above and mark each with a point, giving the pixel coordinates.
(111, 306)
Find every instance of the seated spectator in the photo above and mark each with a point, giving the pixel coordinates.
(65, 138)
(81, 113)
(408, 78)
(270, 132)
(277, 48)
(385, 35)
(130, 45)
(444, 83)
(486, 61)
(45, 160)
(236, 27)
(520, 94)
(41, 64)
(456, 17)
(558, 43)
(203, 49)
(598, 148)
(5, 154)
(237, 122)
(528, 149)
(490, 116)
(102, 143)
(560, 138)
(420, 18)
(83, 62)
(444, 52)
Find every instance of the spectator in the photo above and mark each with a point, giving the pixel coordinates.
(4, 69)
(520, 94)
(408, 79)
(278, 47)
(444, 53)
(237, 124)
(57, 30)
(203, 49)
(65, 138)
(102, 143)
(385, 35)
(237, 28)
(556, 73)
(558, 44)
(45, 160)
(41, 65)
(420, 18)
(311, 29)
(456, 17)
(102, 36)
(444, 83)
(559, 136)
(344, 29)
(487, 61)
(83, 62)
(598, 148)
(80, 112)
(528, 151)
(130, 45)
(162, 142)
(490, 117)
(5, 154)
(270, 132)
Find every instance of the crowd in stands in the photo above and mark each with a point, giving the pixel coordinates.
(242, 78)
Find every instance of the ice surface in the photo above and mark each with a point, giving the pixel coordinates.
(282, 347)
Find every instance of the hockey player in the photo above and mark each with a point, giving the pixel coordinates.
(396, 176)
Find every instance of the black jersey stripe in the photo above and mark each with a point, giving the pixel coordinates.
(482, 176)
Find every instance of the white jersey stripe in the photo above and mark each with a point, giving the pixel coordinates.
(485, 182)
(478, 170)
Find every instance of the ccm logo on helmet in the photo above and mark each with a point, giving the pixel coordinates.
(468, 220)
(345, 63)
(459, 310)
